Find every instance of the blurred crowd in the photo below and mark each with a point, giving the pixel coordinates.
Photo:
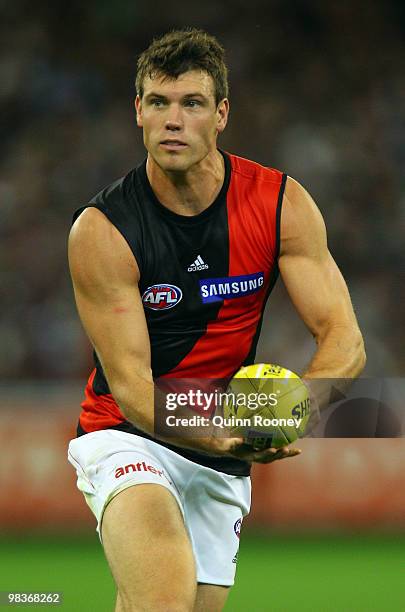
(317, 90)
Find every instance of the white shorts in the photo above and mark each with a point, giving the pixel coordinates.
(212, 503)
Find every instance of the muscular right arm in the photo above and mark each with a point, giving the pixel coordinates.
(105, 279)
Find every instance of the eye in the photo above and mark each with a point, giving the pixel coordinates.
(157, 103)
(193, 103)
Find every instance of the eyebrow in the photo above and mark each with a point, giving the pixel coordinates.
(153, 94)
(195, 95)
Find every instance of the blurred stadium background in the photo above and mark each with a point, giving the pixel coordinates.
(317, 90)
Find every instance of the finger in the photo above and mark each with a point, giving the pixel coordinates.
(238, 448)
(279, 454)
(291, 453)
(287, 452)
(263, 456)
(282, 451)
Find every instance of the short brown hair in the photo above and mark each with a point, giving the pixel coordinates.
(178, 52)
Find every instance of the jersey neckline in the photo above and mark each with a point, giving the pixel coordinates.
(184, 219)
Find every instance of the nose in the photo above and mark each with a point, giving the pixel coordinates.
(174, 121)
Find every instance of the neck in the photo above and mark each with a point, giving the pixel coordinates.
(188, 193)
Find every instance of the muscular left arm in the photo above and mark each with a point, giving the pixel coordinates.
(318, 291)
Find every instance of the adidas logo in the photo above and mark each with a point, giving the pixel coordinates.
(197, 265)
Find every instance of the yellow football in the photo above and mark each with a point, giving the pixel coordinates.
(267, 404)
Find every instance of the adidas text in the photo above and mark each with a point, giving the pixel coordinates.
(197, 265)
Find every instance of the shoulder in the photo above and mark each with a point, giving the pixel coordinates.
(302, 225)
(254, 171)
(91, 228)
(96, 247)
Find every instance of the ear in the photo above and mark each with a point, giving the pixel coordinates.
(138, 108)
(222, 114)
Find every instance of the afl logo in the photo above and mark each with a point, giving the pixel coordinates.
(237, 527)
(161, 297)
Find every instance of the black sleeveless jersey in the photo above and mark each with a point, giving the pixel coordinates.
(204, 282)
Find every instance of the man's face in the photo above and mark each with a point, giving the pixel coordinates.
(180, 119)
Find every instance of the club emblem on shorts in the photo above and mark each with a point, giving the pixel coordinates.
(237, 527)
(161, 297)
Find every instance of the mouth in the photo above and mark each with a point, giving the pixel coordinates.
(172, 144)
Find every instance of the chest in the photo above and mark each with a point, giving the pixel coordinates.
(189, 269)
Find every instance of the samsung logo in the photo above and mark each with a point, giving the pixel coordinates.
(218, 289)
